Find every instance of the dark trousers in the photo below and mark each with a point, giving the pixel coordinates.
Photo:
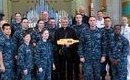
(76, 70)
(103, 68)
(65, 67)
(55, 75)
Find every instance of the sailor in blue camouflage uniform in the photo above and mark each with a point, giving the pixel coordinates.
(18, 35)
(18, 38)
(78, 27)
(44, 57)
(52, 27)
(16, 23)
(107, 37)
(90, 51)
(36, 35)
(7, 49)
(79, 24)
(118, 57)
(25, 57)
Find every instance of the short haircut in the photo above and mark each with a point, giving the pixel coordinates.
(78, 14)
(117, 25)
(17, 13)
(100, 11)
(26, 32)
(51, 18)
(64, 18)
(6, 24)
(43, 30)
(23, 19)
(107, 18)
(91, 17)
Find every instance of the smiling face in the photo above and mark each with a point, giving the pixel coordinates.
(52, 22)
(100, 14)
(45, 34)
(64, 22)
(27, 38)
(40, 24)
(25, 23)
(124, 20)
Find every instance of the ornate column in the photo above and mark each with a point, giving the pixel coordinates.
(7, 9)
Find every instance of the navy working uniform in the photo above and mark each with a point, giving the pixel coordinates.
(118, 58)
(18, 36)
(36, 35)
(52, 31)
(44, 59)
(18, 40)
(25, 57)
(7, 47)
(15, 26)
(90, 49)
(78, 29)
(107, 37)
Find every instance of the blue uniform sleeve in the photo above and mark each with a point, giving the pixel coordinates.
(125, 49)
(52, 51)
(15, 38)
(80, 46)
(14, 47)
(21, 61)
(37, 56)
(1, 44)
(103, 47)
(34, 36)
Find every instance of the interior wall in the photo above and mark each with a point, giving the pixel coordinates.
(61, 5)
(126, 8)
(7, 9)
(23, 6)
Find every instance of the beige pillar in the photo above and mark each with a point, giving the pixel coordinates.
(7, 9)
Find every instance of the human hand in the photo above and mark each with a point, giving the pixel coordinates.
(103, 59)
(40, 70)
(25, 72)
(82, 59)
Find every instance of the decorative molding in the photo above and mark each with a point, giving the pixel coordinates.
(51, 1)
(68, 0)
(14, 0)
(32, 1)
